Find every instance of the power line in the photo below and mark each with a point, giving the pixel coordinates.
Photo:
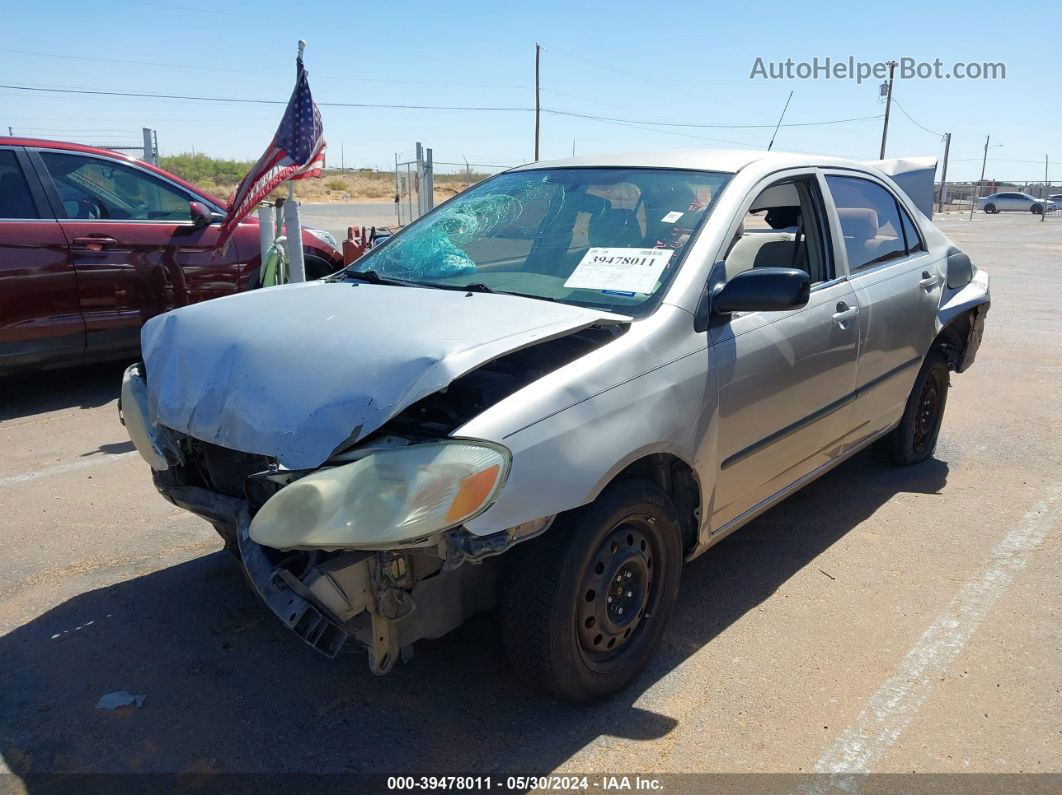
(910, 119)
(676, 132)
(184, 67)
(708, 126)
(382, 106)
(248, 101)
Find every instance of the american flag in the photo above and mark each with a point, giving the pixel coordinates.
(296, 152)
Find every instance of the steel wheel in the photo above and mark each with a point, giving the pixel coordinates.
(617, 593)
(584, 606)
(926, 419)
(915, 438)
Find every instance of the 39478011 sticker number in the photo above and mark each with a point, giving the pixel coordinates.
(634, 270)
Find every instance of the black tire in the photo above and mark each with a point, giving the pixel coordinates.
(316, 267)
(991, 209)
(1037, 209)
(915, 438)
(563, 631)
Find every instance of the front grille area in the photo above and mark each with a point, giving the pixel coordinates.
(226, 471)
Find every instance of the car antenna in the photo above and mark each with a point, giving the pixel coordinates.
(779, 124)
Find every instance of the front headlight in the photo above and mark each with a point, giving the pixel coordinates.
(325, 237)
(386, 498)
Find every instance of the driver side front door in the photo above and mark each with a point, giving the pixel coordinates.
(787, 378)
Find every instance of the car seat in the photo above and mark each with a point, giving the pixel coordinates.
(617, 228)
(859, 225)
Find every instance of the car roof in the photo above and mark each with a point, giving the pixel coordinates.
(45, 143)
(724, 160)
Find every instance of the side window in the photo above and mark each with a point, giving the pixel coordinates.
(15, 198)
(870, 221)
(782, 229)
(910, 233)
(93, 188)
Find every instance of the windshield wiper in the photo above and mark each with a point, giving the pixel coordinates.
(370, 276)
(536, 297)
(477, 287)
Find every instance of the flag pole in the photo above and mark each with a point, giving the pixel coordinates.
(293, 224)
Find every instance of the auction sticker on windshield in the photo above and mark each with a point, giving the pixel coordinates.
(633, 270)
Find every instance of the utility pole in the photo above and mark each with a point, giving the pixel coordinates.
(977, 188)
(944, 174)
(888, 107)
(1047, 189)
(538, 97)
(342, 157)
(10, 131)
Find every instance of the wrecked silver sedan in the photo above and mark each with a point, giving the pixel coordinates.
(547, 394)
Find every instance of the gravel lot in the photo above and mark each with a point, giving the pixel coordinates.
(883, 619)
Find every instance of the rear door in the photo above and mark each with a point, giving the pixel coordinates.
(1012, 201)
(40, 314)
(897, 285)
(133, 244)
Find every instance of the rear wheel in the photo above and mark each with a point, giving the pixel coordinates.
(915, 438)
(990, 209)
(584, 606)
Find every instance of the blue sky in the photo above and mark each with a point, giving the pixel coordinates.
(680, 62)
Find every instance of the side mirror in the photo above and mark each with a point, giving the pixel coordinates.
(763, 290)
(201, 215)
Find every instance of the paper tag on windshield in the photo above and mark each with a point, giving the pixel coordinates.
(633, 270)
(671, 217)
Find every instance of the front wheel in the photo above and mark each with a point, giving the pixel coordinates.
(316, 267)
(990, 209)
(584, 606)
(915, 438)
(1037, 209)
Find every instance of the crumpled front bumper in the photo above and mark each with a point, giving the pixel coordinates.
(279, 589)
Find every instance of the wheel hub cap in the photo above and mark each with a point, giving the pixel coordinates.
(926, 417)
(615, 591)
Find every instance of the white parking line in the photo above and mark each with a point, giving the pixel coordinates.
(888, 712)
(26, 477)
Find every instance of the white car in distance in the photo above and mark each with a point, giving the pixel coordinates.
(998, 202)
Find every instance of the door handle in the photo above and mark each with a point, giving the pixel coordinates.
(844, 313)
(94, 242)
(927, 282)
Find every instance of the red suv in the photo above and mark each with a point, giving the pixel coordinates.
(93, 243)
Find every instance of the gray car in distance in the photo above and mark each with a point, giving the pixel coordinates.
(547, 394)
(1013, 200)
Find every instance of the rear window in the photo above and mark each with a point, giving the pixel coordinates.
(15, 199)
(870, 221)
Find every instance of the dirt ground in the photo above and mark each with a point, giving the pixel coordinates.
(884, 619)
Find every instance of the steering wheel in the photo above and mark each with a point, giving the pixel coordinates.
(89, 209)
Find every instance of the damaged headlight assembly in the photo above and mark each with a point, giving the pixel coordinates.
(387, 497)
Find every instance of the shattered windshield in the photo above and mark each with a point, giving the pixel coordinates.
(601, 237)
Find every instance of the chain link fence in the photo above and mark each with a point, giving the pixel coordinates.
(422, 180)
(143, 145)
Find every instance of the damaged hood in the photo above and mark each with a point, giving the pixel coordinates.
(300, 371)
